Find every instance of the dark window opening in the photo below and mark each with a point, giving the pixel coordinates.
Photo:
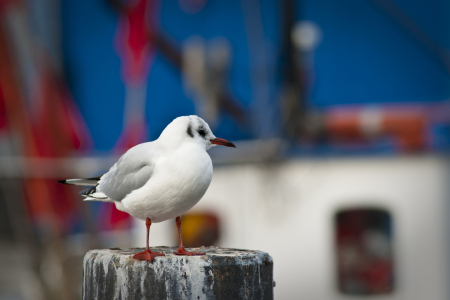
(364, 253)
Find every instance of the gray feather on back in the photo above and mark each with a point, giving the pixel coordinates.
(130, 173)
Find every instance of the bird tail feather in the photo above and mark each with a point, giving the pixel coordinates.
(90, 194)
(92, 181)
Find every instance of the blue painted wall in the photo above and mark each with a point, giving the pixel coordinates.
(364, 57)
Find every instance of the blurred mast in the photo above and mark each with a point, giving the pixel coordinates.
(134, 41)
(293, 86)
(263, 108)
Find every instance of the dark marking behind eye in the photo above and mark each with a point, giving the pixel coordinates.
(202, 132)
(189, 131)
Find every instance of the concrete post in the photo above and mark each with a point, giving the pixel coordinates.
(220, 274)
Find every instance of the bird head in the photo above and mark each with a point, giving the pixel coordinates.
(192, 129)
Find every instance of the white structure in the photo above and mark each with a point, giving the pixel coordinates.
(288, 209)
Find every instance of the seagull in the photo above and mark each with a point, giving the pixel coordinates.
(159, 180)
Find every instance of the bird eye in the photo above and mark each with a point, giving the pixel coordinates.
(202, 132)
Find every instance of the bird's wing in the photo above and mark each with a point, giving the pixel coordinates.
(130, 173)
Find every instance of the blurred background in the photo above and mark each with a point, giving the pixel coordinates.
(340, 111)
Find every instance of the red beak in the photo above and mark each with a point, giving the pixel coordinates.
(218, 141)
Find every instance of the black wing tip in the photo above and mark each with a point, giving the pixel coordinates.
(88, 191)
(62, 181)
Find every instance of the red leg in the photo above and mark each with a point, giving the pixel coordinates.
(147, 254)
(181, 250)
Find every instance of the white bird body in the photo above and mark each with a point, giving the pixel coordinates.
(180, 179)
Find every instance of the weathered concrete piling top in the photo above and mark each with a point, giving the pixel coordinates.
(221, 274)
